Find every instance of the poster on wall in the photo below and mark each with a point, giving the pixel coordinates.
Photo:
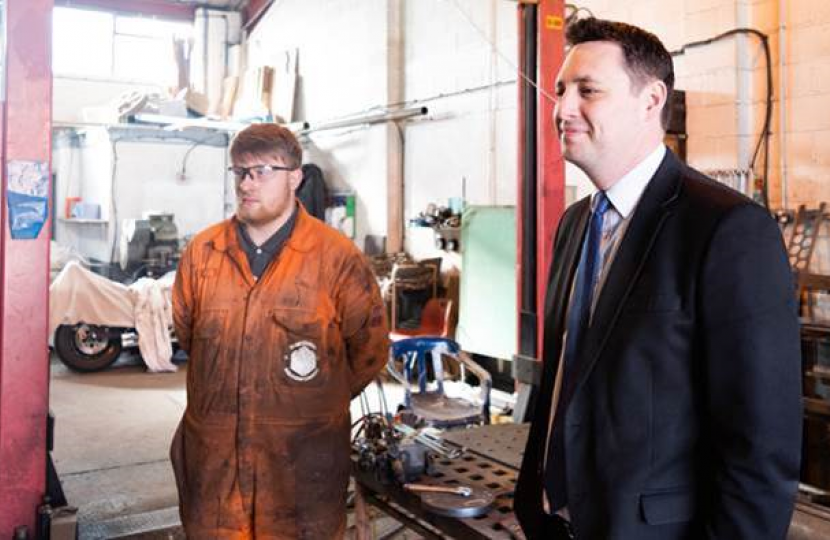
(27, 197)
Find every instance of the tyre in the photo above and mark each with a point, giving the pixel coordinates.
(87, 348)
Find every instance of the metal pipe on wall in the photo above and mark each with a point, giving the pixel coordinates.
(745, 76)
(366, 119)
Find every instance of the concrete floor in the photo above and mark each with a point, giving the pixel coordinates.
(112, 434)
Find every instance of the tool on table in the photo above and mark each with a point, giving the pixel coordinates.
(450, 500)
(395, 452)
(463, 491)
(432, 440)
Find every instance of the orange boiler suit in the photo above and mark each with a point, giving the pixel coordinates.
(262, 450)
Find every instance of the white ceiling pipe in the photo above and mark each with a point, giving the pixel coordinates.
(370, 118)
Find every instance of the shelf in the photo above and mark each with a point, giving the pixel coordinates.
(84, 221)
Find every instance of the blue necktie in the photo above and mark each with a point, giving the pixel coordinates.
(579, 316)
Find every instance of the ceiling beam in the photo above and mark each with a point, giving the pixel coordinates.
(253, 12)
(158, 8)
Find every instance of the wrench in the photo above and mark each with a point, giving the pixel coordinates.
(464, 491)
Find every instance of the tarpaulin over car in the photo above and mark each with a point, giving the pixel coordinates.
(78, 295)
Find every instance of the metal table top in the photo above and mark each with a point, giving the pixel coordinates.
(503, 443)
(490, 461)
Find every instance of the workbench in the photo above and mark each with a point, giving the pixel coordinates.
(491, 460)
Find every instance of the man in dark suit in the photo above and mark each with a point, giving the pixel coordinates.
(669, 406)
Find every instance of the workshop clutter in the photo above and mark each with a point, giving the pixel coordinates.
(125, 106)
(445, 221)
(390, 454)
(150, 246)
(257, 93)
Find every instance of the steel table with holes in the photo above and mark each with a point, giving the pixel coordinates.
(491, 461)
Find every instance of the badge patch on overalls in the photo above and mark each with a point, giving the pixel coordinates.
(301, 361)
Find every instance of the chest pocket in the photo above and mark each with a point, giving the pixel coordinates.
(304, 373)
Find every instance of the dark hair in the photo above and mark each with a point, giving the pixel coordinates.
(645, 56)
(263, 139)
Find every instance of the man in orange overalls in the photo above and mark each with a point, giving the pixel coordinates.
(284, 324)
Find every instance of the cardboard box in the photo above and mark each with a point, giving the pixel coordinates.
(64, 523)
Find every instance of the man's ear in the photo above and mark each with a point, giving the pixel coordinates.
(655, 95)
(295, 178)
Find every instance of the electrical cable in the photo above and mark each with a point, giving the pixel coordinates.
(113, 205)
(193, 146)
(443, 95)
(503, 56)
(764, 136)
(574, 13)
(765, 133)
(114, 172)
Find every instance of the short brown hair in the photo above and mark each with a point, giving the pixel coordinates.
(645, 56)
(264, 139)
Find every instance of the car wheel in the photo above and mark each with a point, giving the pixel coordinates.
(86, 348)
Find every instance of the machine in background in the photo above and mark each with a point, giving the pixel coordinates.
(149, 247)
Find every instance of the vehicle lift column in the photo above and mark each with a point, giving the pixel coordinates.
(541, 183)
(25, 123)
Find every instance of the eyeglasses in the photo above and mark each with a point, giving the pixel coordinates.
(257, 171)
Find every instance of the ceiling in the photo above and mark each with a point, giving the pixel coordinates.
(227, 4)
(251, 10)
(175, 8)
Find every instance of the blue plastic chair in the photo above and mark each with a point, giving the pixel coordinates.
(430, 404)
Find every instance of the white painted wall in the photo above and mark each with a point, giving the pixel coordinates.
(147, 172)
(342, 59)
(458, 49)
(725, 84)
(146, 178)
(346, 67)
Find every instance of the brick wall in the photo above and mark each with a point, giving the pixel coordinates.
(725, 84)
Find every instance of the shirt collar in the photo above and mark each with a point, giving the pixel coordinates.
(626, 192)
(273, 244)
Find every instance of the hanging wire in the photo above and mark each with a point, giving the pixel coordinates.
(574, 13)
(763, 137)
(503, 56)
(195, 145)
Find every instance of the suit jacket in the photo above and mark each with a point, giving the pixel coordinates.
(685, 420)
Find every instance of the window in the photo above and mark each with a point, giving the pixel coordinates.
(99, 44)
(82, 42)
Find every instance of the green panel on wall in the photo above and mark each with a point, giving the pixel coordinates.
(487, 315)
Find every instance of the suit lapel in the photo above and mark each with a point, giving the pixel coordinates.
(560, 283)
(563, 266)
(562, 271)
(649, 215)
(559, 286)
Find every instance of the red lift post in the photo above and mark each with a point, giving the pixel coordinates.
(25, 122)
(541, 179)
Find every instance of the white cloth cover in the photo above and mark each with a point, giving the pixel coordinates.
(79, 295)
